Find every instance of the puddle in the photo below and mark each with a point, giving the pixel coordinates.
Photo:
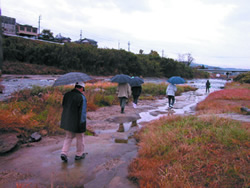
(122, 127)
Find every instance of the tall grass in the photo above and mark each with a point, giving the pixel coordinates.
(192, 152)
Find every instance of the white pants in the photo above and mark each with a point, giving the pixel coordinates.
(80, 143)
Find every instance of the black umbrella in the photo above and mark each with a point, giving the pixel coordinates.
(71, 78)
(136, 81)
(176, 80)
(121, 78)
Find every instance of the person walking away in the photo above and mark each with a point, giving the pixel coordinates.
(73, 121)
(124, 91)
(207, 86)
(171, 89)
(136, 92)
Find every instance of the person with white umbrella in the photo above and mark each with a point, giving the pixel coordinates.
(171, 89)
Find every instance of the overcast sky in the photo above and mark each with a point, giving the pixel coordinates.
(214, 32)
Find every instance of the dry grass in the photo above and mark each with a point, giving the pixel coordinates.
(192, 152)
(227, 100)
(40, 108)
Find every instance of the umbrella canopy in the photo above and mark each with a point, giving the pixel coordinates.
(71, 78)
(176, 80)
(136, 81)
(121, 78)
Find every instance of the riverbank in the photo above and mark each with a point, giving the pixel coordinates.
(110, 151)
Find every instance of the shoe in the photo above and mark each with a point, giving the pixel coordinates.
(64, 158)
(134, 105)
(80, 157)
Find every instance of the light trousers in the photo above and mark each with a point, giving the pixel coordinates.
(80, 143)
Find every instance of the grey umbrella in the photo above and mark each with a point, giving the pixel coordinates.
(71, 78)
(176, 80)
(136, 81)
(121, 78)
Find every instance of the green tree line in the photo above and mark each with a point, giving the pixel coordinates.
(92, 60)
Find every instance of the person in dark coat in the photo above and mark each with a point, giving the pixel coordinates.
(207, 86)
(136, 92)
(73, 121)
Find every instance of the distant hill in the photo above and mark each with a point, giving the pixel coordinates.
(213, 67)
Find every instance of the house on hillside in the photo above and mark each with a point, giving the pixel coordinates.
(87, 41)
(8, 25)
(62, 39)
(26, 30)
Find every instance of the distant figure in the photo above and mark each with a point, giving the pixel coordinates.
(73, 121)
(227, 75)
(170, 92)
(208, 85)
(124, 91)
(136, 92)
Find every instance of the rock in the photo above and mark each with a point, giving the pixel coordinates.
(35, 137)
(134, 123)
(124, 119)
(121, 128)
(156, 113)
(44, 132)
(245, 109)
(121, 138)
(8, 142)
(192, 108)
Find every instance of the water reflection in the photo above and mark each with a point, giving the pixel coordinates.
(121, 128)
(124, 127)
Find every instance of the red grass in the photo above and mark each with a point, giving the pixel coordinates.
(192, 152)
(224, 101)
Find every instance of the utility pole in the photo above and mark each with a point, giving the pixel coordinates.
(118, 45)
(80, 34)
(162, 54)
(39, 21)
(1, 44)
(128, 46)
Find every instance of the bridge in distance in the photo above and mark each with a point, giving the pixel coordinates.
(224, 71)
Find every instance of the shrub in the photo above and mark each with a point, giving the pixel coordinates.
(243, 78)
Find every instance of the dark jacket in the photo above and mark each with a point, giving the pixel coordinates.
(74, 112)
(207, 84)
(136, 90)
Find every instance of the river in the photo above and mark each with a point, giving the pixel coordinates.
(14, 83)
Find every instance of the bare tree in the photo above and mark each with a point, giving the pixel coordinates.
(181, 57)
(190, 59)
(185, 58)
